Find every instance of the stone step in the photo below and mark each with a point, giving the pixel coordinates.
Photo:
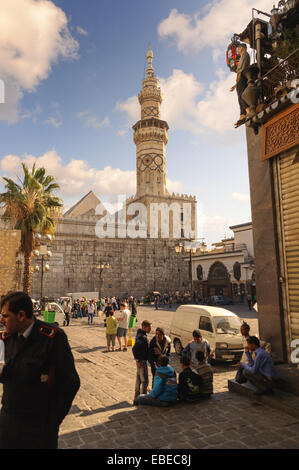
(288, 378)
(279, 399)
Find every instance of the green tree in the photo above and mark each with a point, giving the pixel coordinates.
(31, 207)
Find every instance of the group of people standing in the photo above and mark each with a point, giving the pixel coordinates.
(117, 325)
(194, 383)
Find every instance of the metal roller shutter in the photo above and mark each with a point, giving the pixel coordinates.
(289, 213)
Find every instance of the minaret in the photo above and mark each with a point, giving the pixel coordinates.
(150, 137)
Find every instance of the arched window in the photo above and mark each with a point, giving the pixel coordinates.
(237, 271)
(199, 272)
(218, 271)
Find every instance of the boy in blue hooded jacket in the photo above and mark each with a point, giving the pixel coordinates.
(165, 390)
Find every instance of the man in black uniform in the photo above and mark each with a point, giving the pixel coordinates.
(39, 377)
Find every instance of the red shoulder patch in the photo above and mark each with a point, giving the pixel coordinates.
(47, 331)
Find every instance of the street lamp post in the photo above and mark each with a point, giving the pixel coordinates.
(190, 247)
(44, 253)
(101, 267)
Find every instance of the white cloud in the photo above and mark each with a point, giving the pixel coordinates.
(132, 108)
(76, 178)
(92, 121)
(241, 197)
(81, 31)
(212, 27)
(187, 106)
(54, 121)
(33, 36)
(212, 228)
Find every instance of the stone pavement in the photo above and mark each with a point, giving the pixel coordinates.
(102, 415)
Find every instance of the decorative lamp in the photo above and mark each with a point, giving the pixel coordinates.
(274, 11)
(232, 56)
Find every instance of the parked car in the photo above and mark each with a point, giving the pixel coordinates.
(220, 327)
(221, 300)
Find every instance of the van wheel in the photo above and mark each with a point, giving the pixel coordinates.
(178, 347)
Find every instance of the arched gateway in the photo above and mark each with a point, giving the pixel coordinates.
(219, 280)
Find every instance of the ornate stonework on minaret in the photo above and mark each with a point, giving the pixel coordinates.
(150, 137)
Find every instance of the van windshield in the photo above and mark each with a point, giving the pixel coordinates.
(227, 325)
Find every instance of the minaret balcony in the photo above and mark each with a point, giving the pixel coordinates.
(143, 134)
(150, 93)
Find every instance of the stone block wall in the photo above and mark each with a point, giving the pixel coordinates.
(137, 267)
(9, 247)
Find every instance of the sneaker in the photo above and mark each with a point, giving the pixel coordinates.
(125, 349)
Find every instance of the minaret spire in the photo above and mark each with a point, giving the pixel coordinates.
(149, 58)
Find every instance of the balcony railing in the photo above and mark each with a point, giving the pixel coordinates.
(275, 81)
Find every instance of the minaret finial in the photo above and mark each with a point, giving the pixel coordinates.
(149, 58)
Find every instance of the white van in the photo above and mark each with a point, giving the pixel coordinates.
(220, 327)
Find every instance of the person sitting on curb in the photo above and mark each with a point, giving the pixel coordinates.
(245, 332)
(160, 344)
(198, 344)
(189, 382)
(204, 370)
(261, 371)
(165, 390)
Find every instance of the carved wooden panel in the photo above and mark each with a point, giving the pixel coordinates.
(281, 132)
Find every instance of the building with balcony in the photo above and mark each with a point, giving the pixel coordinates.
(228, 268)
(272, 132)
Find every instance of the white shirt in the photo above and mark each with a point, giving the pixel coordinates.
(90, 308)
(2, 355)
(28, 331)
(125, 318)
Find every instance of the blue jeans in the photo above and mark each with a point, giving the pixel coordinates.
(141, 379)
(90, 318)
(150, 401)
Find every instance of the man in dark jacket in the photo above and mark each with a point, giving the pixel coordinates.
(39, 377)
(140, 352)
(189, 382)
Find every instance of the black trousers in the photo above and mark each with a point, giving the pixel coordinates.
(241, 85)
(26, 432)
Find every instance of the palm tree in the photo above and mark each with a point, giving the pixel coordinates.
(30, 207)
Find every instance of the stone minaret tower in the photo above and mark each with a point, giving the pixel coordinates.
(150, 137)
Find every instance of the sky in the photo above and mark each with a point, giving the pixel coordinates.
(72, 70)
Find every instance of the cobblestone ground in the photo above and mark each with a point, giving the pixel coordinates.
(102, 415)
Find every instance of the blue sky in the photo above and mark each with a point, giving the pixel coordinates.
(72, 71)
